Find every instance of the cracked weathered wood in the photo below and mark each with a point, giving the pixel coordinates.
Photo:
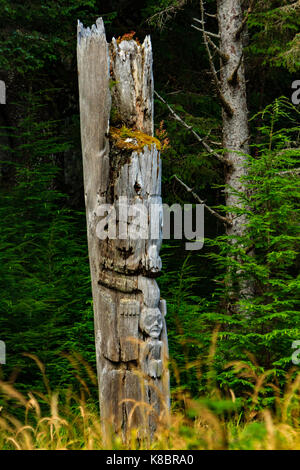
(130, 327)
(131, 69)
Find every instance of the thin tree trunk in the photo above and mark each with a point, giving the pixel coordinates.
(122, 167)
(235, 116)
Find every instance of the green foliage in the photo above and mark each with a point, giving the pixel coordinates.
(274, 34)
(266, 255)
(45, 285)
(40, 35)
(183, 310)
(68, 420)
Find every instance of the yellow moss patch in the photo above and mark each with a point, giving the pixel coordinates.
(125, 138)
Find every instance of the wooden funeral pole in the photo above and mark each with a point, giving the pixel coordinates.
(122, 184)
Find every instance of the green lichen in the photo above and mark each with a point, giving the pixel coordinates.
(115, 117)
(125, 138)
(112, 83)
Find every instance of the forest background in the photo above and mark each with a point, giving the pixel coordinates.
(45, 292)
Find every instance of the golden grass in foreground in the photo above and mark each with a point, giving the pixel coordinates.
(67, 420)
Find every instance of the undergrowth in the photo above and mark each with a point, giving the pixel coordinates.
(69, 419)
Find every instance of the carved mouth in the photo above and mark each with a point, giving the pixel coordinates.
(155, 330)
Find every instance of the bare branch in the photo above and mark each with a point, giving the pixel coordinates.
(211, 16)
(224, 103)
(294, 171)
(198, 21)
(289, 8)
(245, 19)
(206, 32)
(178, 118)
(223, 56)
(161, 17)
(212, 211)
(205, 39)
(211, 62)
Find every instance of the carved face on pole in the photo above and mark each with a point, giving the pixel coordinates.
(151, 322)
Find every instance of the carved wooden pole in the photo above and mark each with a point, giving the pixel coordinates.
(122, 174)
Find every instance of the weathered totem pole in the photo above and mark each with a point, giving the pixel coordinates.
(122, 183)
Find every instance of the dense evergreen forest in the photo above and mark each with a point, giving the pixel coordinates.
(230, 354)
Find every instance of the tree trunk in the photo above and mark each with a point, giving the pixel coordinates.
(235, 115)
(122, 174)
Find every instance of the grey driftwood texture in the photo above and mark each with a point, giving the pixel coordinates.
(130, 327)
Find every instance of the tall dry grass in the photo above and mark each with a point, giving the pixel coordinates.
(65, 419)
